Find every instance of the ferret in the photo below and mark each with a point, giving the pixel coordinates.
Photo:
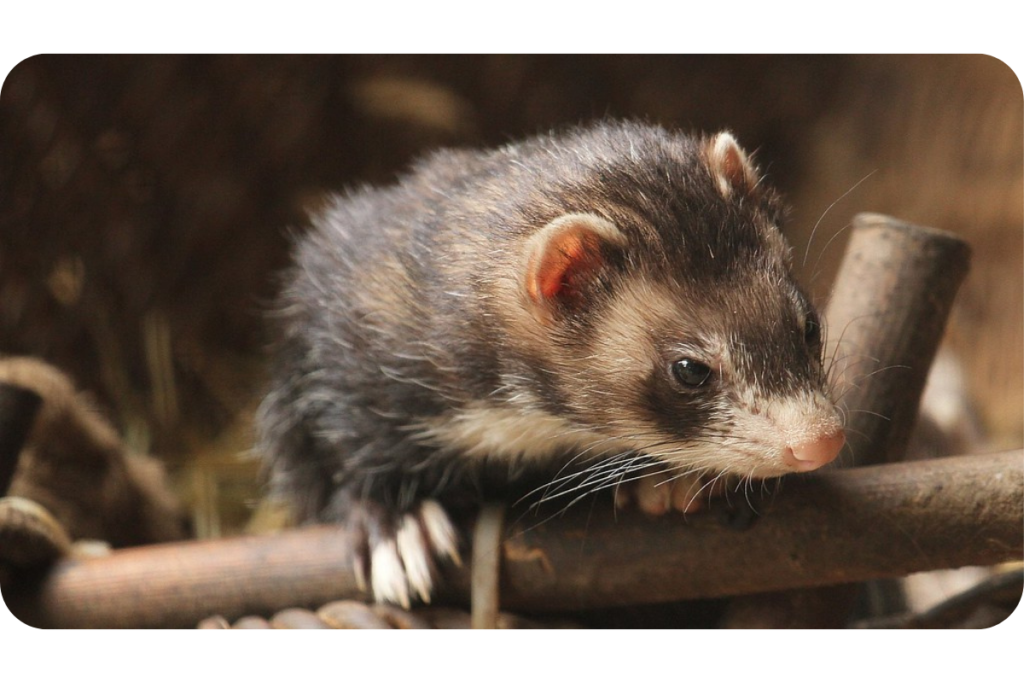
(611, 306)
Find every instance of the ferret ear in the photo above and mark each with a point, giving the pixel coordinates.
(564, 255)
(730, 166)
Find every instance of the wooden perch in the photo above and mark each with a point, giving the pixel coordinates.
(838, 527)
(819, 530)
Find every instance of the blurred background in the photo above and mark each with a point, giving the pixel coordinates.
(146, 203)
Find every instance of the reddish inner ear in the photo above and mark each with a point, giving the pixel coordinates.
(734, 168)
(730, 165)
(563, 264)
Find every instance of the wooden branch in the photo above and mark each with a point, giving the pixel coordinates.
(837, 527)
(833, 528)
(886, 317)
(175, 585)
(985, 604)
(18, 408)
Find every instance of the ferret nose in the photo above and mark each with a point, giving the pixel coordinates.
(810, 455)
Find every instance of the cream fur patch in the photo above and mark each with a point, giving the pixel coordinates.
(484, 431)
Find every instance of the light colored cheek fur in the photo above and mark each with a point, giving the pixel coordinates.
(481, 430)
(609, 392)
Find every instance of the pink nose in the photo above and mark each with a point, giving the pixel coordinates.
(810, 455)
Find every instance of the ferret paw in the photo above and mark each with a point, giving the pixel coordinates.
(401, 561)
(661, 491)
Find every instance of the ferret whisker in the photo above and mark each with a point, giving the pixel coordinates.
(885, 369)
(588, 475)
(825, 213)
(871, 412)
(815, 268)
(853, 384)
(856, 432)
(610, 480)
(707, 486)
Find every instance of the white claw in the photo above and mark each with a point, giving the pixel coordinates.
(401, 566)
(414, 554)
(359, 569)
(388, 575)
(440, 531)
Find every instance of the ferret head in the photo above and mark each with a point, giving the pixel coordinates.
(662, 314)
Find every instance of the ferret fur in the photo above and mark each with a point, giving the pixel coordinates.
(500, 313)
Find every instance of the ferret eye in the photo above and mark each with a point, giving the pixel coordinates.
(690, 373)
(812, 330)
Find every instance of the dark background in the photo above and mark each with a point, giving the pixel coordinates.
(145, 202)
